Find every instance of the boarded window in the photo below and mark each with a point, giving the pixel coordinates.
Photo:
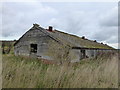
(33, 48)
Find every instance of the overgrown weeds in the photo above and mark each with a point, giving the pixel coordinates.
(23, 72)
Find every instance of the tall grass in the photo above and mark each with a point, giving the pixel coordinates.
(21, 72)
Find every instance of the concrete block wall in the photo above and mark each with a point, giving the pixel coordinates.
(89, 53)
(33, 37)
(74, 55)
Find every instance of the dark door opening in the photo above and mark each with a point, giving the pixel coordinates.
(33, 48)
(83, 53)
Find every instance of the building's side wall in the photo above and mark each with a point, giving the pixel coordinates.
(78, 55)
(75, 55)
(91, 53)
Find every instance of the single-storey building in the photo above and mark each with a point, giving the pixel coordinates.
(52, 44)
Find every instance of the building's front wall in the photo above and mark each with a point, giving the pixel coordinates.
(23, 47)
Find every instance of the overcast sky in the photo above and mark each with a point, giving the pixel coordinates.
(94, 20)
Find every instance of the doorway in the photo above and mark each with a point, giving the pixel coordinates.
(83, 53)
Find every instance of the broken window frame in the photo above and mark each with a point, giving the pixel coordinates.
(33, 48)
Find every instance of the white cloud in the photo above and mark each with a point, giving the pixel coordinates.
(115, 45)
(60, 0)
(18, 17)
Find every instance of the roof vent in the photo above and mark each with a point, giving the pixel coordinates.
(83, 37)
(95, 41)
(50, 28)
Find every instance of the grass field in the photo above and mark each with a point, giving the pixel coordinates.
(24, 72)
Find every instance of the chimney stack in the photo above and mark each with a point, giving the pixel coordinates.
(83, 37)
(50, 28)
(95, 41)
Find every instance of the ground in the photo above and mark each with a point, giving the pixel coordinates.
(24, 72)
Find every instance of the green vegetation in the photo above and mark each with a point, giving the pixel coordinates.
(57, 51)
(25, 72)
(7, 46)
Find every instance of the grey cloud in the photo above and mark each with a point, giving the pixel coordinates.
(113, 39)
(108, 27)
(108, 34)
(17, 17)
(110, 18)
(76, 22)
(90, 25)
